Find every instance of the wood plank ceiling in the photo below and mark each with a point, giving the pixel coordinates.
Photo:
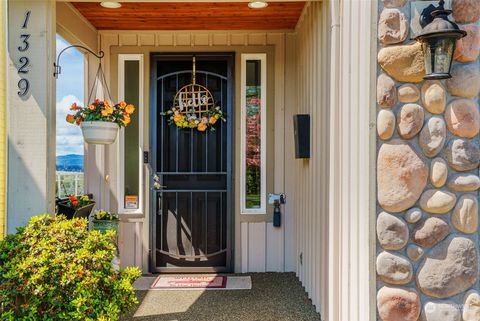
(191, 16)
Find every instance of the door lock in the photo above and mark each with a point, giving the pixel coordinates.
(277, 200)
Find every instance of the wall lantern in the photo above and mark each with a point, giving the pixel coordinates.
(438, 37)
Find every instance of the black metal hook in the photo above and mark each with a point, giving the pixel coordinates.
(56, 65)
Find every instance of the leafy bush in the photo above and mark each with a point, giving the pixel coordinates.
(54, 269)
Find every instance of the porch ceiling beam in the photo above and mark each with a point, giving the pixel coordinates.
(125, 1)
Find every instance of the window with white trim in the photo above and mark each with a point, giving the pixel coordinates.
(253, 133)
(130, 163)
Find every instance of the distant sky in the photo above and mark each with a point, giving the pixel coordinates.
(70, 89)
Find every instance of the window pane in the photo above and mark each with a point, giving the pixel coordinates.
(253, 135)
(132, 159)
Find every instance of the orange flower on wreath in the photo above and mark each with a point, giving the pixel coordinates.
(213, 120)
(178, 118)
(202, 127)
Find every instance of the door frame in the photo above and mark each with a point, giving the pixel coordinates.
(229, 57)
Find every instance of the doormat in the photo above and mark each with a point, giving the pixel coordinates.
(201, 282)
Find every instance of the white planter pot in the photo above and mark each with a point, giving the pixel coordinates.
(99, 132)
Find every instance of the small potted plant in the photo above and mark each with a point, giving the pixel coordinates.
(103, 221)
(101, 120)
(76, 206)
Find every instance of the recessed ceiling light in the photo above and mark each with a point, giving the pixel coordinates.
(111, 4)
(257, 4)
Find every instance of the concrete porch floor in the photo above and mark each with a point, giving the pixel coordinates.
(273, 297)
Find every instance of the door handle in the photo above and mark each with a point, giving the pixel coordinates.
(157, 186)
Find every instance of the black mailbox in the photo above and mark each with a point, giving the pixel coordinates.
(301, 127)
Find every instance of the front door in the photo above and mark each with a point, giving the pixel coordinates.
(192, 200)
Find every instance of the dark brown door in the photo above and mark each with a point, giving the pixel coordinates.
(192, 205)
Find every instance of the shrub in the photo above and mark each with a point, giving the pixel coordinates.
(54, 269)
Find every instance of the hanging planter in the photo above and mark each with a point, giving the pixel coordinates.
(101, 120)
(99, 132)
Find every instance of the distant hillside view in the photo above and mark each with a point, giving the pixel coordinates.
(70, 163)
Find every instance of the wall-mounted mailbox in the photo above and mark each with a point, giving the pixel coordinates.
(301, 128)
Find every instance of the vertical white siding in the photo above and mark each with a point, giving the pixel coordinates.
(311, 176)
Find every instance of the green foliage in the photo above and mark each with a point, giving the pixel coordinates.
(54, 269)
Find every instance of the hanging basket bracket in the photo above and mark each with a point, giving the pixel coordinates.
(58, 68)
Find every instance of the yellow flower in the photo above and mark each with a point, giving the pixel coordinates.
(126, 121)
(213, 120)
(202, 127)
(130, 109)
(107, 111)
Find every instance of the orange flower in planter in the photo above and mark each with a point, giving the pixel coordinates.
(122, 104)
(74, 106)
(92, 107)
(70, 119)
(107, 111)
(130, 109)
(126, 121)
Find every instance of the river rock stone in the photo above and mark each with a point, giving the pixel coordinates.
(403, 63)
(401, 176)
(434, 97)
(449, 269)
(408, 93)
(465, 214)
(465, 11)
(393, 3)
(465, 81)
(392, 232)
(410, 120)
(468, 48)
(463, 118)
(462, 155)
(432, 137)
(385, 124)
(413, 215)
(440, 311)
(394, 269)
(471, 306)
(414, 252)
(438, 172)
(396, 304)
(437, 201)
(430, 232)
(386, 91)
(464, 183)
(392, 27)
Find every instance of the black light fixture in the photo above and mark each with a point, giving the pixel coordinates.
(438, 37)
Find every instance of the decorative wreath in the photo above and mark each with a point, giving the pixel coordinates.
(194, 107)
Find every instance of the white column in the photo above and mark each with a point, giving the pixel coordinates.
(351, 293)
(31, 117)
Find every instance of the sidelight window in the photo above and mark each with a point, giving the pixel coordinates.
(130, 89)
(253, 133)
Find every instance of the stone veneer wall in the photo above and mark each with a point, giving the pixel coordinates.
(427, 172)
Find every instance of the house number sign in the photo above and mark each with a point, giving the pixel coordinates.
(23, 69)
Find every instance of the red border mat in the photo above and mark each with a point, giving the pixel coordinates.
(189, 282)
